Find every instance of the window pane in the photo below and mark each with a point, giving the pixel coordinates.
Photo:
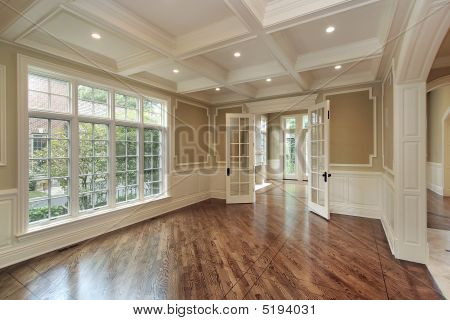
(93, 101)
(49, 94)
(126, 107)
(153, 112)
(93, 165)
(126, 163)
(49, 166)
(152, 162)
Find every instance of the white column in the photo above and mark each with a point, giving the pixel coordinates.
(410, 155)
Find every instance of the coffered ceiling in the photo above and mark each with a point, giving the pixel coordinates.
(189, 46)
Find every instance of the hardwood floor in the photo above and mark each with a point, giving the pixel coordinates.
(438, 208)
(273, 249)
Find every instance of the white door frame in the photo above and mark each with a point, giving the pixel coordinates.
(235, 168)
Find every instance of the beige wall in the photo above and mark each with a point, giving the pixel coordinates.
(438, 102)
(351, 128)
(8, 57)
(388, 122)
(437, 73)
(192, 134)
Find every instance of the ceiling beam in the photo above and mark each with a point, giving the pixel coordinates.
(283, 55)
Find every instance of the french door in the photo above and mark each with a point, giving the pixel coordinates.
(318, 171)
(290, 147)
(240, 158)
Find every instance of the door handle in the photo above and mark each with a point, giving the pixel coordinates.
(228, 172)
(325, 176)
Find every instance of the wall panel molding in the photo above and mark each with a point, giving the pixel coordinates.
(374, 152)
(356, 193)
(410, 169)
(3, 159)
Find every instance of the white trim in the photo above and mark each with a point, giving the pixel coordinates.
(282, 104)
(391, 74)
(438, 83)
(445, 161)
(3, 156)
(375, 146)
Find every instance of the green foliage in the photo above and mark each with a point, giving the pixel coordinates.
(37, 214)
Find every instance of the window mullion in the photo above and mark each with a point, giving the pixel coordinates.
(75, 155)
(141, 162)
(112, 153)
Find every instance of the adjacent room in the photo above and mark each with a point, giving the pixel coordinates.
(224, 149)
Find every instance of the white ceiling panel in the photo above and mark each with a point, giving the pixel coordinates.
(350, 26)
(75, 30)
(253, 52)
(179, 17)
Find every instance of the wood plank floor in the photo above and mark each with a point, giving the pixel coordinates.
(438, 208)
(274, 249)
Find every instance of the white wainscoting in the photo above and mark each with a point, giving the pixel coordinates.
(217, 183)
(388, 213)
(8, 205)
(356, 193)
(435, 177)
(187, 189)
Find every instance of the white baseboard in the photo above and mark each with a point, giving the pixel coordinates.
(435, 177)
(217, 194)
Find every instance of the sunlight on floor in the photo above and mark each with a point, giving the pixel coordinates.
(439, 260)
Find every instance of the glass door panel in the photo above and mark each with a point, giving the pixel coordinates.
(319, 159)
(240, 178)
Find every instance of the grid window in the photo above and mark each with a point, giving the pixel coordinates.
(93, 166)
(48, 179)
(126, 107)
(126, 164)
(48, 94)
(93, 101)
(152, 162)
(153, 112)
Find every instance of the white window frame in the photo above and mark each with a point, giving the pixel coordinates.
(75, 77)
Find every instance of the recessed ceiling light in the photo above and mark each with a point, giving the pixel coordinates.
(175, 70)
(330, 29)
(217, 89)
(269, 79)
(237, 54)
(96, 36)
(337, 67)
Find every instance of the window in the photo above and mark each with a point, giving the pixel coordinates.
(93, 166)
(126, 107)
(152, 162)
(126, 164)
(48, 187)
(261, 143)
(289, 123)
(305, 121)
(93, 101)
(109, 169)
(153, 112)
(49, 94)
